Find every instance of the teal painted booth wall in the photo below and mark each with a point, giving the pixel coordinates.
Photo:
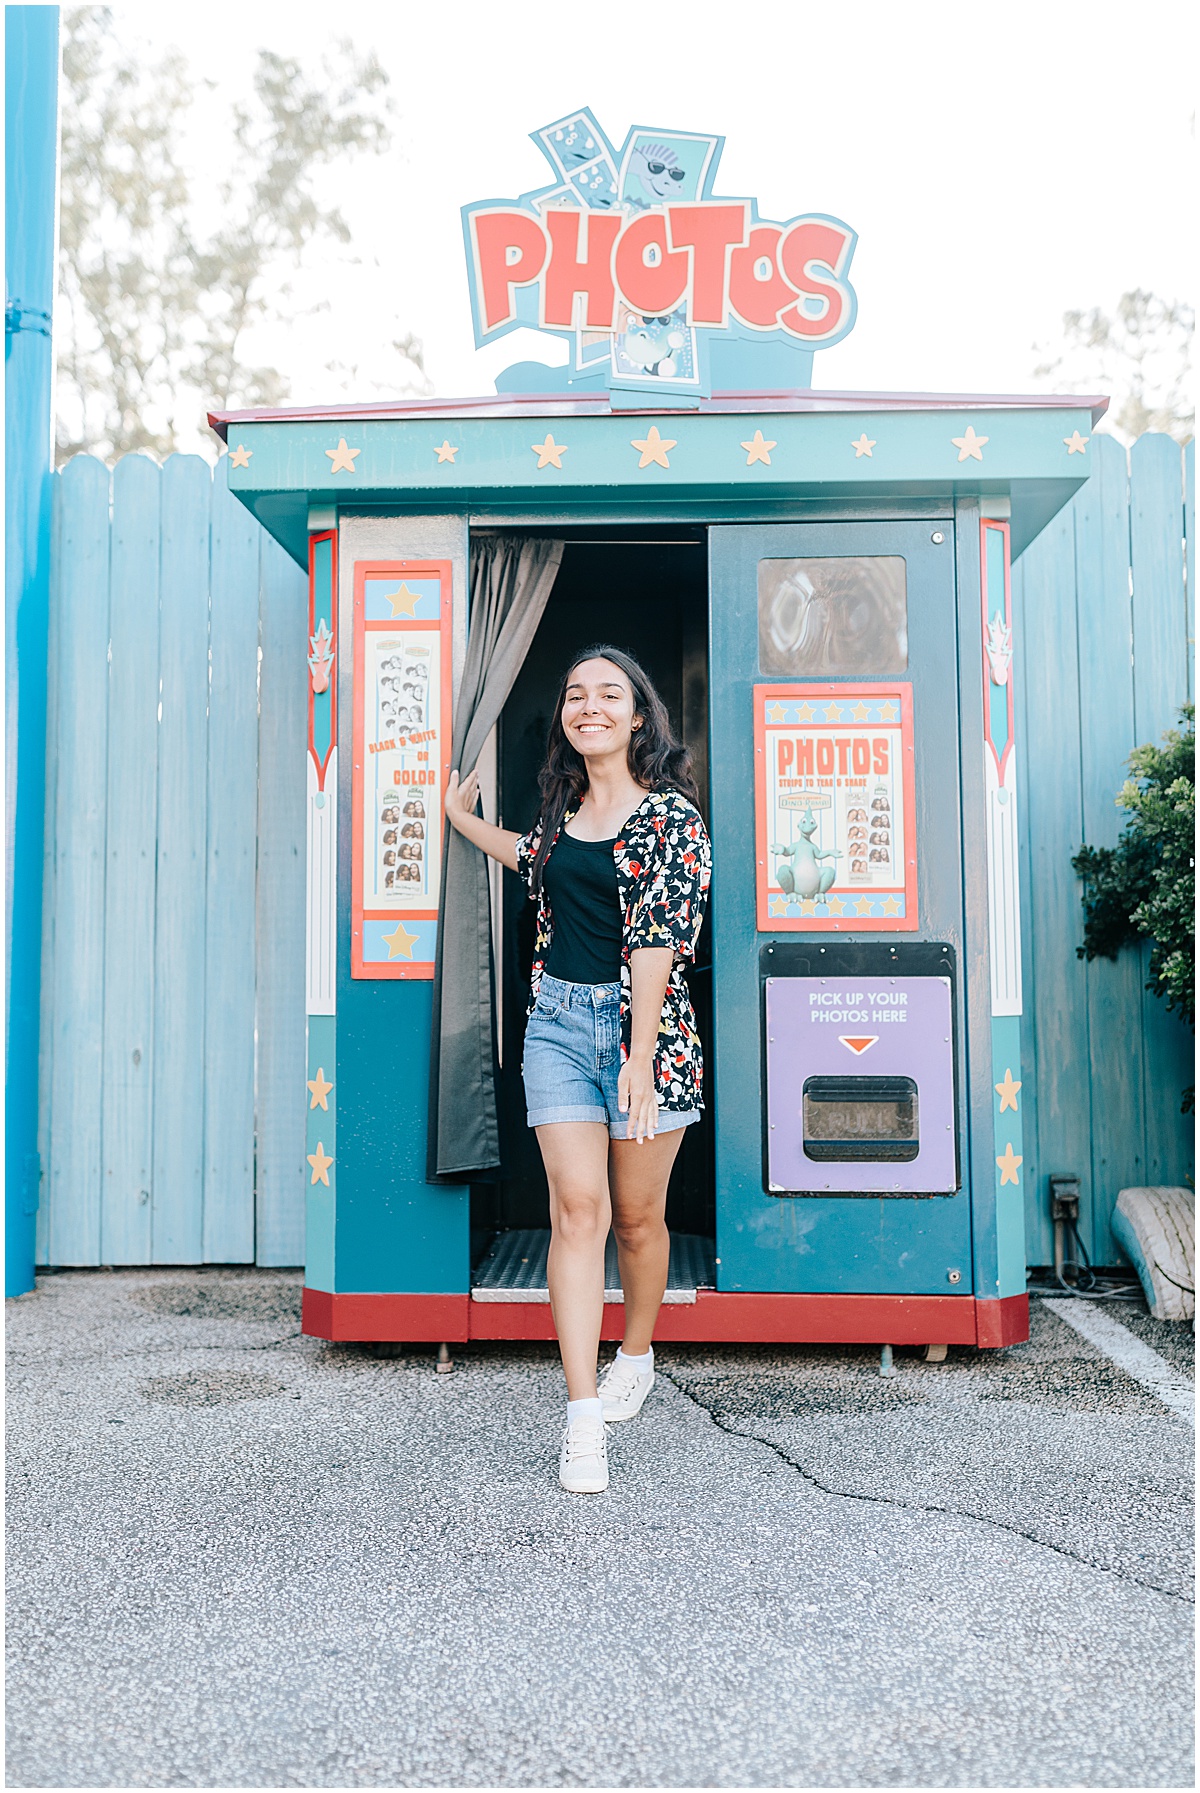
(1102, 624)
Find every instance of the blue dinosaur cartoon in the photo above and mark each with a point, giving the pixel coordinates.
(804, 876)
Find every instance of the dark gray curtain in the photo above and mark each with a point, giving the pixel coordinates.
(511, 579)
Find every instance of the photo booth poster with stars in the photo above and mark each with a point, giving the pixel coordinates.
(402, 619)
(836, 845)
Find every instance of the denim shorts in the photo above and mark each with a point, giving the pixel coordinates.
(573, 1059)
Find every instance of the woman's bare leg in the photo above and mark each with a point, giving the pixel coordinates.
(575, 1154)
(638, 1175)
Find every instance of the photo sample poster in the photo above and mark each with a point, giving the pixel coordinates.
(835, 829)
(402, 615)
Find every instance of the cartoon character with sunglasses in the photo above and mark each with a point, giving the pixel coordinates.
(650, 345)
(656, 167)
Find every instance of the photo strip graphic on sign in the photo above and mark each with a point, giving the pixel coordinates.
(401, 718)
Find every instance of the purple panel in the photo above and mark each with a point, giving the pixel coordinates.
(859, 1028)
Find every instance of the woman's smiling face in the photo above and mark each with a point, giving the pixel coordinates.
(598, 712)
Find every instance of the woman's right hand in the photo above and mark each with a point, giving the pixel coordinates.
(462, 794)
(461, 798)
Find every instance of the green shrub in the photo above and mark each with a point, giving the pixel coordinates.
(1145, 886)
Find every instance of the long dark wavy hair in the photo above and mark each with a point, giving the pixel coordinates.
(656, 759)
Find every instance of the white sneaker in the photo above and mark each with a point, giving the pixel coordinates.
(583, 1460)
(623, 1388)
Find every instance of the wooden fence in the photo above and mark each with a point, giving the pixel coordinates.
(172, 1074)
(1101, 626)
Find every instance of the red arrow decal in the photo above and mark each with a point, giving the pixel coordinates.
(858, 1042)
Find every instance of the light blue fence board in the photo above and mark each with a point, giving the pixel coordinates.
(132, 785)
(282, 1094)
(1054, 1071)
(76, 1039)
(1160, 632)
(229, 943)
(179, 937)
(1160, 619)
(1104, 632)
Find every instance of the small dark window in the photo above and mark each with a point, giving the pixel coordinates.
(838, 617)
(860, 1120)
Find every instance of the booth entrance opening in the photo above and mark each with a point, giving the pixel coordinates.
(645, 591)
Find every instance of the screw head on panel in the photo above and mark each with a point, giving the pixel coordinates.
(937, 536)
(954, 1276)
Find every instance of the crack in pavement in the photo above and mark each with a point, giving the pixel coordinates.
(915, 1506)
(151, 1350)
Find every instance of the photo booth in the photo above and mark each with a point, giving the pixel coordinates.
(818, 582)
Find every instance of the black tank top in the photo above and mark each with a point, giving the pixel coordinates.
(580, 879)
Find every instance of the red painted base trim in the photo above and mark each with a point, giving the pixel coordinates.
(713, 1319)
(377, 1319)
(1003, 1322)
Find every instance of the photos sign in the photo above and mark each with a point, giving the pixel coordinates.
(630, 257)
(835, 824)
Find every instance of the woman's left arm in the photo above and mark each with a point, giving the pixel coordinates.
(649, 970)
(665, 925)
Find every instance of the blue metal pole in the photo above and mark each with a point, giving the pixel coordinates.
(31, 149)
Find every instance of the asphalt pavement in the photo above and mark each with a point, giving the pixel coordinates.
(238, 1557)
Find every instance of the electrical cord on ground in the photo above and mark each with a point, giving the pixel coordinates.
(1087, 1285)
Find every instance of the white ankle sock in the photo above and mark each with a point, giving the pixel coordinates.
(641, 1364)
(592, 1409)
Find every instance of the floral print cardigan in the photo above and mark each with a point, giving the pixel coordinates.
(664, 865)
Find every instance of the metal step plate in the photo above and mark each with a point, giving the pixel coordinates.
(514, 1268)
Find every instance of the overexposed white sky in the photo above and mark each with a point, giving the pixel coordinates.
(1001, 163)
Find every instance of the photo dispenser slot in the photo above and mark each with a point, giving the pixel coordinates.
(860, 1120)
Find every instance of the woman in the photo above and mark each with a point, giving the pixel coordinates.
(618, 862)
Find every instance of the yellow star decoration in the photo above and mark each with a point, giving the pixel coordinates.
(1007, 1091)
(805, 713)
(341, 458)
(970, 446)
(320, 1161)
(319, 1087)
(550, 452)
(446, 452)
(775, 712)
(863, 905)
(891, 905)
(834, 904)
(778, 905)
(757, 449)
(240, 457)
(808, 907)
(1007, 1165)
(653, 448)
(400, 942)
(403, 602)
(888, 712)
(860, 713)
(1075, 443)
(863, 446)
